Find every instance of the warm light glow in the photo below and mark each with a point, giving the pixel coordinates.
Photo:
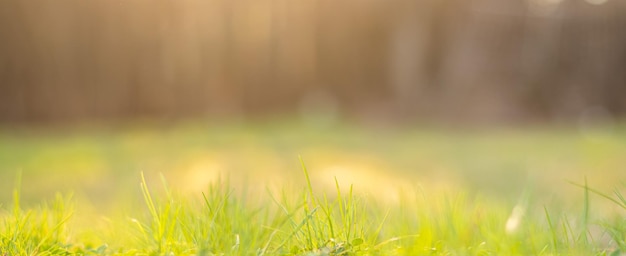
(512, 224)
(199, 174)
(361, 176)
(543, 6)
(596, 2)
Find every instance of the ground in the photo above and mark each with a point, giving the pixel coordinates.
(201, 188)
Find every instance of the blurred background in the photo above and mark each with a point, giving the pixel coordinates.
(477, 61)
(226, 79)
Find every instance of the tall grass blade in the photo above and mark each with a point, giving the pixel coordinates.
(597, 192)
(585, 217)
(552, 230)
(308, 179)
(297, 229)
(16, 195)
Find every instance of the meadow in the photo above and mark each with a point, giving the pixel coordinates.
(285, 188)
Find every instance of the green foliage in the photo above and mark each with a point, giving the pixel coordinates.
(222, 221)
(41, 231)
(319, 226)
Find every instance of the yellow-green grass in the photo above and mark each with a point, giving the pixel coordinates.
(240, 189)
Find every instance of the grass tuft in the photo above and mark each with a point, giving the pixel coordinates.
(221, 221)
(41, 231)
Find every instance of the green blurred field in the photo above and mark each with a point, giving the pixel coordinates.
(497, 167)
(501, 162)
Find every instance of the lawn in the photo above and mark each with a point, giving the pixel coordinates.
(284, 188)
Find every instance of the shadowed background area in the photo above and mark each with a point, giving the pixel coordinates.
(478, 60)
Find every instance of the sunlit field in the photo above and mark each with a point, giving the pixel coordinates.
(285, 188)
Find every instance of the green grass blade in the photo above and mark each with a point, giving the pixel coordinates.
(552, 230)
(298, 228)
(308, 179)
(597, 192)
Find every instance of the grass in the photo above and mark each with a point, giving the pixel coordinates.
(220, 223)
(344, 208)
